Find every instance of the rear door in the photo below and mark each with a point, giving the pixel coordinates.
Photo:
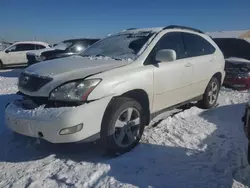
(200, 54)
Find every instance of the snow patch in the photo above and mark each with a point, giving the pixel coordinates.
(191, 148)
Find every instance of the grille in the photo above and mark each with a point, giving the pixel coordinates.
(30, 82)
(31, 59)
(39, 101)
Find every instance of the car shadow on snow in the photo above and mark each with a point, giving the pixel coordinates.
(155, 165)
(10, 73)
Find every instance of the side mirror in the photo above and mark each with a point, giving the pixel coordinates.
(7, 51)
(165, 55)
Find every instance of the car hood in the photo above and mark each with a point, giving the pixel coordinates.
(237, 60)
(65, 70)
(74, 65)
(237, 65)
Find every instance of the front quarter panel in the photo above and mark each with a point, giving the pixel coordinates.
(122, 80)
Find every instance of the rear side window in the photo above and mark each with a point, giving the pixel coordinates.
(38, 46)
(196, 45)
(25, 47)
(172, 41)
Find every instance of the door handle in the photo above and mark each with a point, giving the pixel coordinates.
(188, 65)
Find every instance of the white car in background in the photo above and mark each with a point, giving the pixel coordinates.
(16, 53)
(113, 89)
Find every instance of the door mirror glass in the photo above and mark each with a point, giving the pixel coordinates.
(165, 55)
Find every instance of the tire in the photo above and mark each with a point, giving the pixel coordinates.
(211, 94)
(116, 131)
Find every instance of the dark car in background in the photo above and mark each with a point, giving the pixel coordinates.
(63, 49)
(237, 56)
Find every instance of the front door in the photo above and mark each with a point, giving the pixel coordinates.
(172, 80)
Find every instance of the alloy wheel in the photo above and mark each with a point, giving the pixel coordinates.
(127, 127)
(213, 93)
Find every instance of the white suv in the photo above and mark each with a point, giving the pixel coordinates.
(16, 53)
(114, 88)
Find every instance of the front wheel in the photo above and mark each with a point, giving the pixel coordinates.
(211, 94)
(122, 126)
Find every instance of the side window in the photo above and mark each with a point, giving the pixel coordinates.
(172, 41)
(196, 45)
(38, 47)
(25, 47)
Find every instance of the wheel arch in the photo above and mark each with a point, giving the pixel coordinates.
(218, 75)
(138, 95)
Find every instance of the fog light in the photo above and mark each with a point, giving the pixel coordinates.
(71, 130)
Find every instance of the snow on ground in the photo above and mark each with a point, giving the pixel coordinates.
(193, 148)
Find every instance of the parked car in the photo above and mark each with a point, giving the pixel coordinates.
(113, 89)
(16, 53)
(237, 57)
(246, 122)
(64, 49)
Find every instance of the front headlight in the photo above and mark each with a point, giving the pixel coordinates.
(75, 91)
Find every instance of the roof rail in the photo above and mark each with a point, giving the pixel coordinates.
(183, 27)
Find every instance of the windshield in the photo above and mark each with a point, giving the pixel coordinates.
(234, 47)
(121, 46)
(63, 45)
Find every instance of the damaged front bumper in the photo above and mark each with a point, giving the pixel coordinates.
(27, 118)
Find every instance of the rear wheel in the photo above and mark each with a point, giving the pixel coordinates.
(211, 94)
(122, 126)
